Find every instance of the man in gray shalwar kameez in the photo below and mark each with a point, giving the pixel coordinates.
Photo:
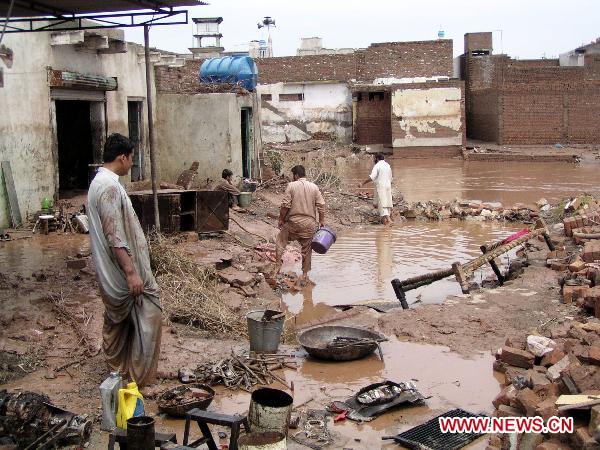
(133, 315)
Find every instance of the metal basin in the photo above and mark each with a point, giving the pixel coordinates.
(316, 342)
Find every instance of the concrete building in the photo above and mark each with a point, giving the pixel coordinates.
(542, 101)
(398, 94)
(207, 37)
(314, 46)
(65, 92)
(577, 56)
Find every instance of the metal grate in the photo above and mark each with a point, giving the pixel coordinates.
(428, 436)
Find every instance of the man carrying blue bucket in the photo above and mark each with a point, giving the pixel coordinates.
(302, 212)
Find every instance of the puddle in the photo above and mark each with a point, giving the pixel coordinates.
(506, 182)
(25, 256)
(361, 264)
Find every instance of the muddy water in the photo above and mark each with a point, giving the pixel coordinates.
(361, 264)
(506, 182)
(25, 256)
(447, 379)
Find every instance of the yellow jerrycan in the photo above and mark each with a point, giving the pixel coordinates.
(131, 404)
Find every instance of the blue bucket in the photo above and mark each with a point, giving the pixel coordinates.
(323, 239)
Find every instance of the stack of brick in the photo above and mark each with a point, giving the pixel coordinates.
(533, 384)
(579, 221)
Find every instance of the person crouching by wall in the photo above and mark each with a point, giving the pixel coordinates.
(226, 185)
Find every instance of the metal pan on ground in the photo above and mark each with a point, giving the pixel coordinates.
(340, 343)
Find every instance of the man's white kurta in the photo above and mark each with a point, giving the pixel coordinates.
(382, 179)
(132, 326)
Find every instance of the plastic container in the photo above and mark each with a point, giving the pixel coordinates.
(140, 433)
(249, 186)
(109, 394)
(244, 199)
(270, 440)
(230, 69)
(47, 204)
(265, 334)
(270, 410)
(323, 239)
(131, 404)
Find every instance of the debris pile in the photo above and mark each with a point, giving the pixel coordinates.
(579, 260)
(543, 373)
(28, 420)
(469, 210)
(245, 370)
(189, 292)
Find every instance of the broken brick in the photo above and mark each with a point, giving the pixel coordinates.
(577, 264)
(585, 377)
(528, 401)
(549, 359)
(550, 446)
(547, 408)
(594, 419)
(506, 395)
(516, 357)
(555, 371)
(582, 440)
(499, 366)
(594, 355)
(548, 390)
(76, 263)
(508, 411)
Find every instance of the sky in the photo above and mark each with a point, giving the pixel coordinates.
(521, 28)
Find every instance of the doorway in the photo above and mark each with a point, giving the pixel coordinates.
(134, 119)
(246, 121)
(75, 144)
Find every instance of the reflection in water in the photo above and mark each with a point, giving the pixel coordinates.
(506, 182)
(360, 266)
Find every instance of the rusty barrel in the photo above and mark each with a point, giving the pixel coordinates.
(270, 410)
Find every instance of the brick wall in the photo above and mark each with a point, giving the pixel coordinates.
(478, 41)
(178, 80)
(307, 68)
(384, 60)
(406, 60)
(532, 101)
(373, 122)
(482, 115)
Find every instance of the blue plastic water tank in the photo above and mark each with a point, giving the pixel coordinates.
(230, 69)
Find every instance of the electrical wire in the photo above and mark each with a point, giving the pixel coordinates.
(10, 7)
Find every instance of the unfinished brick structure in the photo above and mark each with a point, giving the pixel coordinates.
(383, 60)
(529, 101)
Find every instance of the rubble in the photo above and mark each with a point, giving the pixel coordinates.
(570, 368)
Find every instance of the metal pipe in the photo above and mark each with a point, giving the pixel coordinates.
(151, 128)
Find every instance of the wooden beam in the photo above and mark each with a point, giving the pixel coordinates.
(13, 201)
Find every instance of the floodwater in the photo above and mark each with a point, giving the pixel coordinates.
(359, 267)
(506, 182)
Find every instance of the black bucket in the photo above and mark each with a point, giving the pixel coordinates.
(140, 433)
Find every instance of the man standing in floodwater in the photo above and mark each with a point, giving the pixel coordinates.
(302, 212)
(133, 315)
(381, 176)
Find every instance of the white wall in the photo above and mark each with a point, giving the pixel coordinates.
(27, 134)
(326, 108)
(201, 127)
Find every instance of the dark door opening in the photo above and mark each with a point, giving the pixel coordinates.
(246, 142)
(75, 146)
(134, 109)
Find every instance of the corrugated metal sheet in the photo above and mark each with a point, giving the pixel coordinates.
(76, 80)
(45, 8)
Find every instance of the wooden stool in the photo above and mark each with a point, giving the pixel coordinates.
(120, 436)
(203, 418)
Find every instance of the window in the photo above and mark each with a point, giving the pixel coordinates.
(266, 97)
(376, 96)
(291, 97)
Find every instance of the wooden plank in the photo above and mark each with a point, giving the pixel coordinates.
(564, 400)
(13, 201)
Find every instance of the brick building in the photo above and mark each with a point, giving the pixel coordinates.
(512, 101)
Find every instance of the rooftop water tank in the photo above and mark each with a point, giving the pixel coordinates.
(230, 69)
